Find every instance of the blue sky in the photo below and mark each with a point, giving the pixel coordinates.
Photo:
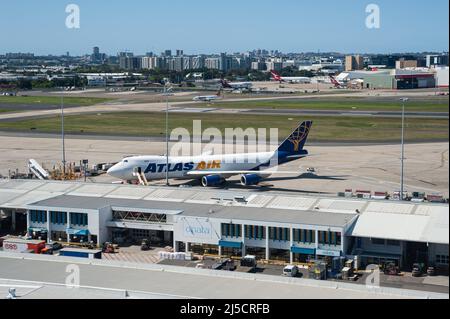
(210, 26)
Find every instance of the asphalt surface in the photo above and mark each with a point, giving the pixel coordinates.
(113, 137)
(172, 283)
(33, 107)
(334, 113)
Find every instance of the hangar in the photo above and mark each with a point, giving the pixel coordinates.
(272, 226)
(391, 79)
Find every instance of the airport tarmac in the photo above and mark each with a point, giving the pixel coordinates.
(169, 283)
(338, 167)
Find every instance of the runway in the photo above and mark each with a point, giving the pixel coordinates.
(155, 107)
(331, 113)
(214, 108)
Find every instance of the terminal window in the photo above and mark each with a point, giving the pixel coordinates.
(330, 238)
(231, 230)
(393, 243)
(79, 219)
(59, 218)
(255, 232)
(304, 236)
(442, 259)
(278, 233)
(38, 216)
(378, 241)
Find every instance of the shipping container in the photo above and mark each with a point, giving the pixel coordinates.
(81, 253)
(19, 245)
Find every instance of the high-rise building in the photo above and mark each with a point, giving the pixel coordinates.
(167, 53)
(146, 63)
(159, 63)
(130, 63)
(273, 65)
(125, 54)
(187, 63)
(258, 66)
(180, 52)
(175, 64)
(96, 56)
(354, 62)
(225, 62)
(212, 63)
(198, 62)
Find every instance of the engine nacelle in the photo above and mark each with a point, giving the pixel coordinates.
(250, 179)
(212, 180)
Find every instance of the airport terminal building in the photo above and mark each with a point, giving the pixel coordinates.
(271, 226)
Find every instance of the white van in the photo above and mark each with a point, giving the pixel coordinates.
(290, 271)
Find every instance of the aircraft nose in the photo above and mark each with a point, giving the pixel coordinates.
(116, 171)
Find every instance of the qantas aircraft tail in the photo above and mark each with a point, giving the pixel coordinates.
(225, 84)
(334, 81)
(276, 76)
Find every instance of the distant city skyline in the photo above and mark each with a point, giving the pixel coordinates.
(138, 54)
(210, 27)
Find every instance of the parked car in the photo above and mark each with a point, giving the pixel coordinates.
(417, 270)
(290, 271)
(217, 266)
(431, 271)
(390, 268)
(248, 261)
(145, 245)
(229, 265)
(57, 246)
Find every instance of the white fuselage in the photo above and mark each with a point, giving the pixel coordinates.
(241, 85)
(154, 167)
(207, 98)
(295, 79)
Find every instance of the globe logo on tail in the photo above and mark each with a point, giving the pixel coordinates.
(299, 136)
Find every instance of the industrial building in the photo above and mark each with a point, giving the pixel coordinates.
(391, 79)
(272, 226)
(441, 75)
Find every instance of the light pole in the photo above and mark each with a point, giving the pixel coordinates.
(166, 93)
(404, 100)
(62, 134)
(85, 162)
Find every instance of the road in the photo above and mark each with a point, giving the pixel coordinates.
(173, 283)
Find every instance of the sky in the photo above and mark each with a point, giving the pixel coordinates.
(214, 26)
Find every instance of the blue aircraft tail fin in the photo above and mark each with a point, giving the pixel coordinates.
(296, 141)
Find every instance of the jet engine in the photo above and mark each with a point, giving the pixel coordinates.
(250, 179)
(212, 180)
